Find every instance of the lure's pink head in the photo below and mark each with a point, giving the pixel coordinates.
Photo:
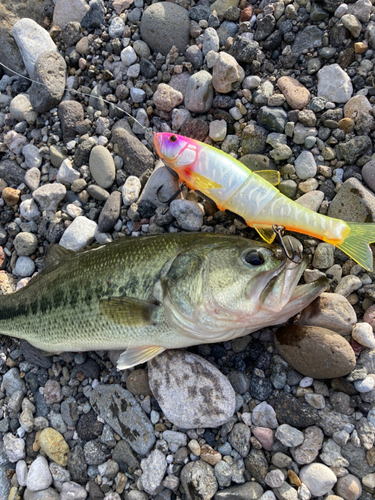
(179, 152)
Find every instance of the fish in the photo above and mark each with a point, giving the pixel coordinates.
(232, 186)
(148, 294)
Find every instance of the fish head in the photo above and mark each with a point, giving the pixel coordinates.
(235, 287)
(179, 152)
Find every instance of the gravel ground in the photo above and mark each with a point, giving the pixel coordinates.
(287, 413)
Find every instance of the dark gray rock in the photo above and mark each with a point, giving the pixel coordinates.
(137, 158)
(165, 17)
(257, 162)
(194, 55)
(356, 147)
(148, 69)
(273, 119)
(93, 452)
(110, 213)
(89, 427)
(260, 388)
(254, 139)
(94, 18)
(273, 41)
(124, 456)
(256, 463)
(243, 49)
(309, 38)
(82, 153)
(265, 27)
(11, 173)
(294, 412)
(50, 73)
(358, 464)
(98, 193)
(70, 113)
(77, 465)
(34, 356)
(239, 439)
(227, 29)
(198, 481)
(69, 411)
(121, 411)
(199, 12)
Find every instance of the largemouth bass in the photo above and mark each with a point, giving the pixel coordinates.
(252, 195)
(161, 292)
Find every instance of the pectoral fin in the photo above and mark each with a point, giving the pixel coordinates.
(204, 182)
(129, 311)
(56, 254)
(271, 176)
(267, 234)
(136, 355)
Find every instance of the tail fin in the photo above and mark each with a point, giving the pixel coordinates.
(356, 244)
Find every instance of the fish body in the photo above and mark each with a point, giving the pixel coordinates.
(149, 294)
(252, 195)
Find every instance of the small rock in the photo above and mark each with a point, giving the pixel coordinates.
(21, 109)
(364, 335)
(131, 190)
(305, 165)
(71, 490)
(318, 478)
(289, 436)
(239, 439)
(79, 234)
(49, 196)
(50, 75)
(102, 166)
(324, 256)
(226, 71)
(66, 174)
(334, 84)
(154, 468)
(188, 214)
(296, 94)
(39, 476)
(54, 446)
(336, 357)
(69, 11)
(353, 203)
(198, 481)
(189, 404)
(166, 98)
(14, 447)
(199, 92)
(264, 416)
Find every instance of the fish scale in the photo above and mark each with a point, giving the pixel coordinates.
(153, 293)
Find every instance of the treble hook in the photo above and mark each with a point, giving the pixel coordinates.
(291, 255)
(173, 197)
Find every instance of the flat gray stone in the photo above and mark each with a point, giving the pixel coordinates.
(353, 203)
(121, 411)
(50, 71)
(190, 390)
(102, 166)
(165, 17)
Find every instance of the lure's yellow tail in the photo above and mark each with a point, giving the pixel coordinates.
(356, 244)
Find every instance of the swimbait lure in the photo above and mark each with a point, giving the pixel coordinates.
(252, 195)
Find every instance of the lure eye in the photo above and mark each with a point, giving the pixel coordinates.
(254, 259)
(173, 138)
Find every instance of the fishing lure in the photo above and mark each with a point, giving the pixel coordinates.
(253, 195)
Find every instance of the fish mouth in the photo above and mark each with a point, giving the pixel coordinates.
(283, 292)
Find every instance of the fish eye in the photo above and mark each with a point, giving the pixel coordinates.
(254, 258)
(173, 138)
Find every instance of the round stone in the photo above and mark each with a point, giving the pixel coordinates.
(199, 92)
(39, 476)
(25, 243)
(318, 478)
(295, 343)
(191, 391)
(102, 166)
(165, 17)
(25, 266)
(166, 98)
(296, 94)
(188, 214)
(54, 446)
(305, 165)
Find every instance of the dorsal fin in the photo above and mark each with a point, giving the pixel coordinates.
(271, 176)
(56, 254)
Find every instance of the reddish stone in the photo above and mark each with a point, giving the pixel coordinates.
(264, 436)
(357, 348)
(246, 14)
(369, 316)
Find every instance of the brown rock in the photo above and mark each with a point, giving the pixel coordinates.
(359, 109)
(330, 310)
(347, 125)
(246, 14)
(294, 479)
(370, 457)
(360, 47)
(11, 196)
(296, 94)
(315, 352)
(137, 383)
(210, 455)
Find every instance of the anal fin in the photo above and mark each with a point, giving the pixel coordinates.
(267, 234)
(136, 355)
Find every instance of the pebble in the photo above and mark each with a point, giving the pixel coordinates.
(218, 130)
(165, 17)
(102, 166)
(31, 40)
(49, 196)
(79, 234)
(364, 335)
(264, 415)
(318, 478)
(264, 436)
(199, 92)
(67, 174)
(198, 480)
(365, 385)
(14, 447)
(71, 490)
(154, 468)
(54, 446)
(239, 439)
(188, 214)
(185, 400)
(110, 213)
(21, 110)
(225, 71)
(305, 165)
(123, 414)
(332, 311)
(289, 436)
(69, 11)
(166, 98)
(296, 94)
(334, 84)
(39, 476)
(336, 357)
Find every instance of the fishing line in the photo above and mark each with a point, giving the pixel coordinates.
(73, 91)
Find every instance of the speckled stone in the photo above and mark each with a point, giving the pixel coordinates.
(54, 445)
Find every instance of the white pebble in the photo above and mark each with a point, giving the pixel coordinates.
(364, 335)
(218, 130)
(21, 472)
(131, 190)
(128, 56)
(365, 385)
(306, 382)
(25, 266)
